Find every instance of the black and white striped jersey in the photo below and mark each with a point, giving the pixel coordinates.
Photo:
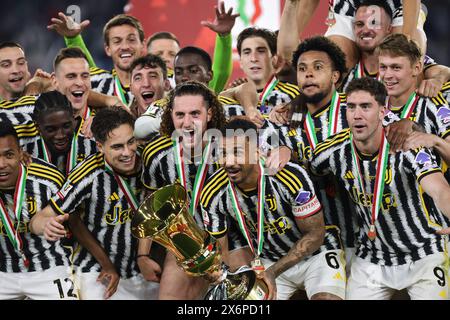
(23, 105)
(348, 7)
(16, 118)
(289, 195)
(31, 142)
(446, 91)
(282, 93)
(105, 212)
(171, 78)
(432, 114)
(408, 220)
(355, 73)
(103, 81)
(231, 107)
(43, 181)
(337, 207)
(160, 168)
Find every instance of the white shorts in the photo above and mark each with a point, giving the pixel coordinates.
(52, 284)
(350, 255)
(136, 288)
(425, 279)
(343, 27)
(324, 272)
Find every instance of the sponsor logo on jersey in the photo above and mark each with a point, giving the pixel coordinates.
(444, 114)
(423, 158)
(303, 197)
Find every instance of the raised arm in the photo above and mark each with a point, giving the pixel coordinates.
(222, 61)
(305, 11)
(411, 12)
(71, 31)
(288, 40)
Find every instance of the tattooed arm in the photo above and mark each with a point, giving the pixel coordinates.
(313, 230)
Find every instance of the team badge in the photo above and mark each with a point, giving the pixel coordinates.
(62, 193)
(152, 111)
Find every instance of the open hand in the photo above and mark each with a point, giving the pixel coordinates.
(65, 26)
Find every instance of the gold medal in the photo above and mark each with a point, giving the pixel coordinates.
(331, 19)
(257, 265)
(372, 234)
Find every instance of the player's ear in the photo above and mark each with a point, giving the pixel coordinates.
(335, 76)
(22, 155)
(209, 115)
(54, 80)
(382, 112)
(107, 50)
(209, 76)
(417, 68)
(100, 147)
(167, 85)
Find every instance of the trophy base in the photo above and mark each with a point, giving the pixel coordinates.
(258, 289)
(242, 285)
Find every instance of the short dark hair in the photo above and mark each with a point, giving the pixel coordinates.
(370, 85)
(10, 44)
(7, 129)
(239, 122)
(198, 51)
(162, 35)
(150, 61)
(123, 19)
(379, 3)
(320, 43)
(266, 34)
(398, 45)
(218, 119)
(50, 102)
(67, 53)
(108, 119)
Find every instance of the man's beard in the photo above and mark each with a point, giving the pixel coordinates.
(315, 98)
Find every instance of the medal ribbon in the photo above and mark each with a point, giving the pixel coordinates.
(87, 113)
(125, 187)
(71, 157)
(333, 114)
(410, 105)
(19, 199)
(383, 154)
(259, 212)
(359, 72)
(200, 177)
(270, 85)
(118, 91)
